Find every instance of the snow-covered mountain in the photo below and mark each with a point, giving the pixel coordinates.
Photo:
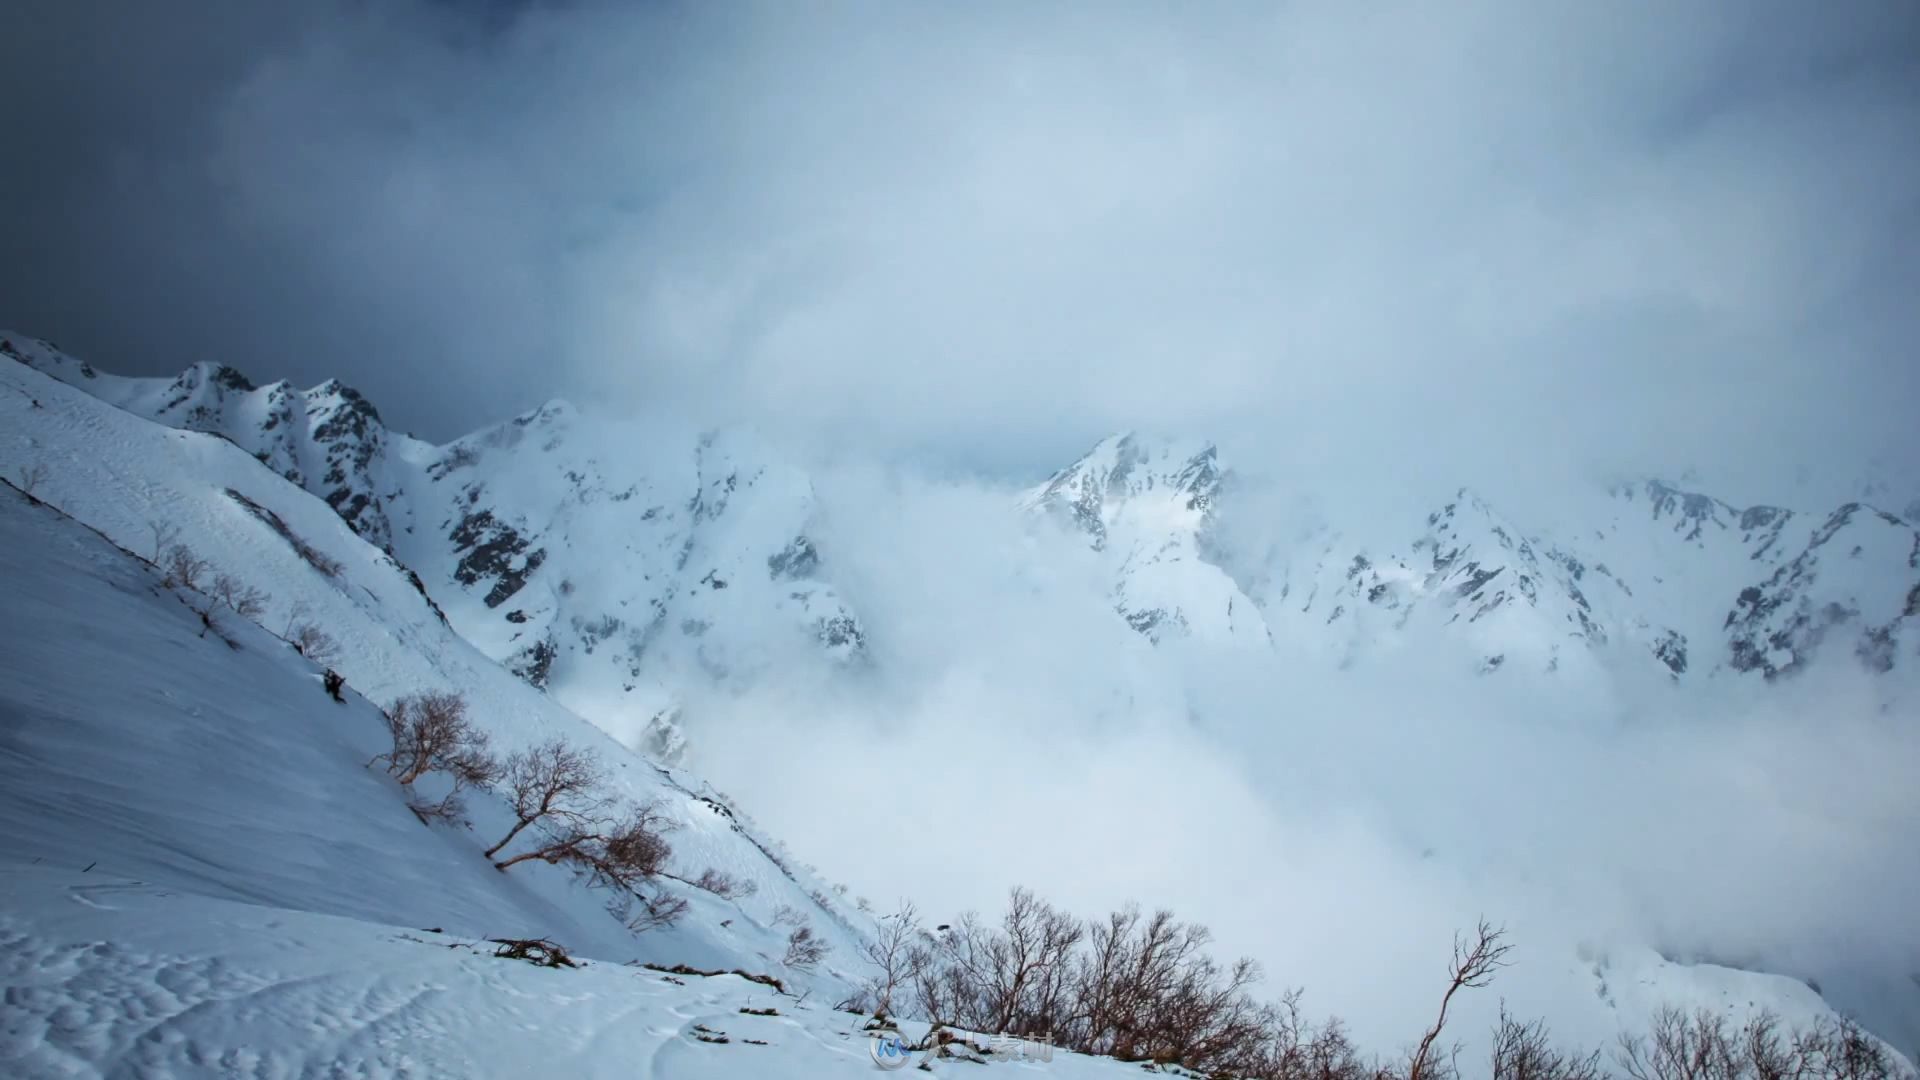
(600, 575)
(1651, 575)
(546, 555)
(610, 579)
(1149, 508)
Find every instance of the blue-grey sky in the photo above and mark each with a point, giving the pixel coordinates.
(1475, 237)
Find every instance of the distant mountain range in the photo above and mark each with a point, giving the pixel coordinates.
(609, 576)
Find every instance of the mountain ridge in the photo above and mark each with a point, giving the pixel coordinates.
(504, 523)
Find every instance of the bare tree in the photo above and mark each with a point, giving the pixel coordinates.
(31, 477)
(1704, 1045)
(724, 885)
(245, 600)
(788, 915)
(804, 948)
(1523, 1051)
(182, 566)
(164, 534)
(656, 912)
(634, 848)
(1475, 960)
(314, 643)
(890, 952)
(297, 612)
(620, 852)
(431, 733)
(553, 780)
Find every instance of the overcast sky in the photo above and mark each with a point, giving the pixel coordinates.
(1470, 236)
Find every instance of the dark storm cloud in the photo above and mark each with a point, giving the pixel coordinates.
(1486, 237)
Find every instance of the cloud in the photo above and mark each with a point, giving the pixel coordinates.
(1654, 236)
(1339, 826)
(1378, 248)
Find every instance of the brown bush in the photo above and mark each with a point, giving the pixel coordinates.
(314, 643)
(620, 852)
(656, 912)
(724, 885)
(1523, 1051)
(1141, 988)
(182, 567)
(634, 849)
(804, 948)
(431, 733)
(552, 781)
(244, 600)
(1704, 1045)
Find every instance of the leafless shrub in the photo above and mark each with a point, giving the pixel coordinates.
(31, 477)
(656, 913)
(244, 600)
(620, 852)
(297, 612)
(316, 558)
(537, 951)
(164, 534)
(1141, 988)
(313, 556)
(552, 781)
(804, 948)
(314, 643)
(890, 952)
(724, 885)
(431, 733)
(182, 567)
(1476, 958)
(788, 915)
(1294, 1048)
(1523, 1051)
(1704, 1045)
(449, 807)
(634, 848)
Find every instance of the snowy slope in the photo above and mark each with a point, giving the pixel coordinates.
(603, 575)
(117, 473)
(156, 800)
(199, 877)
(115, 976)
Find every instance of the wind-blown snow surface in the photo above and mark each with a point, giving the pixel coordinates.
(1339, 738)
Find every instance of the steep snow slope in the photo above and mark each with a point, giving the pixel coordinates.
(118, 473)
(610, 575)
(200, 874)
(602, 574)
